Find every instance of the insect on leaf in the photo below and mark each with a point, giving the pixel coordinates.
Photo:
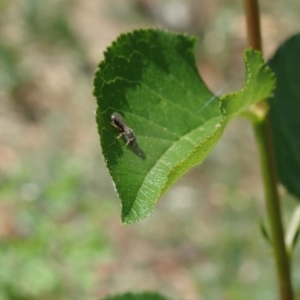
(150, 78)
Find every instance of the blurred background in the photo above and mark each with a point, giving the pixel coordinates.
(60, 231)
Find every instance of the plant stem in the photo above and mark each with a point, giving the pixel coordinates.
(263, 135)
(253, 24)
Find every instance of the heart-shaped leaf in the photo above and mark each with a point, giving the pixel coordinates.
(150, 78)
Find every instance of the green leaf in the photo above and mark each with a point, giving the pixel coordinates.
(265, 231)
(136, 296)
(292, 234)
(285, 114)
(260, 83)
(151, 79)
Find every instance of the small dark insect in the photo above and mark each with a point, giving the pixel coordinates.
(126, 132)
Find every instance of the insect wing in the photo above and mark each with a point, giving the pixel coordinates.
(118, 122)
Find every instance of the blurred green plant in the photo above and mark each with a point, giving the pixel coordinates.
(55, 237)
(46, 28)
(49, 24)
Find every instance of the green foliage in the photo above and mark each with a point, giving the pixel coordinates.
(285, 114)
(136, 296)
(46, 27)
(56, 238)
(50, 23)
(151, 79)
(293, 231)
(9, 75)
